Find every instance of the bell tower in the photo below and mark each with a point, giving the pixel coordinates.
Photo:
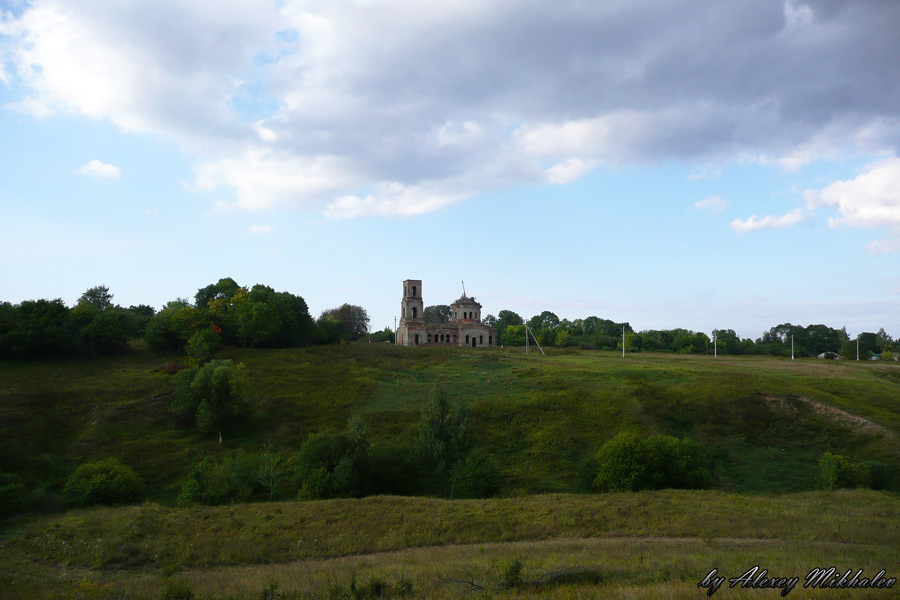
(412, 309)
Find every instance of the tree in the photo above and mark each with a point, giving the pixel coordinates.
(505, 318)
(224, 289)
(212, 395)
(98, 297)
(514, 335)
(545, 320)
(437, 314)
(353, 318)
(444, 434)
(335, 465)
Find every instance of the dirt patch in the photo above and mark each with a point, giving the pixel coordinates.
(853, 421)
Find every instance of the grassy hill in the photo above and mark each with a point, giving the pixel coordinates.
(765, 422)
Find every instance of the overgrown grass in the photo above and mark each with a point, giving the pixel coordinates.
(637, 543)
(539, 417)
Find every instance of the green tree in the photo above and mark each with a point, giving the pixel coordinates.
(335, 464)
(437, 314)
(444, 432)
(545, 320)
(505, 318)
(98, 297)
(224, 289)
(353, 319)
(212, 395)
(106, 481)
(514, 335)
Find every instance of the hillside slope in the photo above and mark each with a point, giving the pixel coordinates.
(764, 422)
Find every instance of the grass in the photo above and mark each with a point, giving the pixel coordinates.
(764, 422)
(638, 544)
(541, 418)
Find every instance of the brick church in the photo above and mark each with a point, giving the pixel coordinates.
(464, 329)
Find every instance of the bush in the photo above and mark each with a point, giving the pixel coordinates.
(630, 462)
(176, 590)
(335, 465)
(836, 471)
(105, 481)
(219, 480)
(12, 494)
(476, 477)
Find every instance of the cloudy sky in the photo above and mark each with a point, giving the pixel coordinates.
(703, 164)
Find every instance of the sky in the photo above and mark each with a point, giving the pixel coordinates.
(704, 164)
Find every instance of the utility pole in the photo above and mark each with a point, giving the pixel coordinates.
(792, 346)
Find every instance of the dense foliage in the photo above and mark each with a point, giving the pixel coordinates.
(106, 481)
(48, 328)
(211, 395)
(836, 471)
(629, 462)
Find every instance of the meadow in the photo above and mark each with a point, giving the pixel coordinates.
(764, 422)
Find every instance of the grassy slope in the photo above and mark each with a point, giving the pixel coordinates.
(539, 417)
(639, 544)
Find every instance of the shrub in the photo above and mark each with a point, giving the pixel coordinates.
(334, 465)
(202, 345)
(879, 475)
(836, 471)
(176, 589)
(12, 494)
(105, 481)
(630, 462)
(476, 477)
(444, 432)
(222, 479)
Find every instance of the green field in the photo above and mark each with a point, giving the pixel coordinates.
(764, 423)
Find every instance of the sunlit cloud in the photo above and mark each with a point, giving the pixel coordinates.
(96, 168)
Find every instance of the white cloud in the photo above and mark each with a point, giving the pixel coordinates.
(568, 170)
(261, 229)
(770, 222)
(714, 204)
(95, 168)
(265, 134)
(870, 200)
(263, 179)
(706, 172)
(369, 95)
(393, 199)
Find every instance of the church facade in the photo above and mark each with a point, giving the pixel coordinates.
(464, 329)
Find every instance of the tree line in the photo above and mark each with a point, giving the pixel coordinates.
(225, 313)
(222, 313)
(594, 333)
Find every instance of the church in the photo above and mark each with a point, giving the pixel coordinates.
(464, 329)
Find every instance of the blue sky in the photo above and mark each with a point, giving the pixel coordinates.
(585, 158)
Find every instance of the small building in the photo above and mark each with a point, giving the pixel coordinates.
(464, 329)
